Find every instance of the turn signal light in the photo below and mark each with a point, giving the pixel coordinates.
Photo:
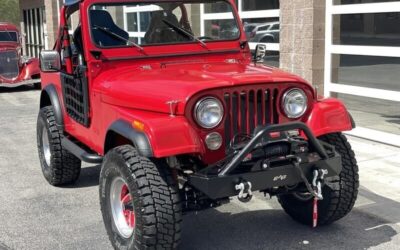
(138, 125)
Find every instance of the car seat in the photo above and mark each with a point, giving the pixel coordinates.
(160, 32)
(103, 19)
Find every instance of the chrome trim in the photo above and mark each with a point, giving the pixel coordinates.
(196, 109)
(283, 102)
(214, 134)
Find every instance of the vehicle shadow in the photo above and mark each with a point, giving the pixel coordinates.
(89, 177)
(18, 89)
(392, 118)
(273, 229)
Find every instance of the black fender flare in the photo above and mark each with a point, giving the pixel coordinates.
(139, 139)
(51, 92)
(353, 123)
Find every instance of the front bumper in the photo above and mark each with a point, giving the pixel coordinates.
(219, 182)
(17, 84)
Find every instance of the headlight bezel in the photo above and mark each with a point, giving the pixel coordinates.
(198, 106)
(284, 102)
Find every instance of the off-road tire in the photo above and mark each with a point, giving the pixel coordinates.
(64, 167)
(340, 192)
(155, 196)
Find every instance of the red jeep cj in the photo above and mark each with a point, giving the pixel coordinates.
(15, 69)
(181, 117)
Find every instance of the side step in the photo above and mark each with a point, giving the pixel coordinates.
(79, 152)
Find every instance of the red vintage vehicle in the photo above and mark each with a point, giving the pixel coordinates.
(15, 69)
(182, 118)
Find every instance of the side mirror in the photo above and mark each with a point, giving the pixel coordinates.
(260, 53)
(50, 61)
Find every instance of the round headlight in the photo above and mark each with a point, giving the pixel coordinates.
(209, 112)
(214, 141)
(294, 103)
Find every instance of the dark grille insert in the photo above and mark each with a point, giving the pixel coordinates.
(76, 100)
(9, 64)
(248, 109)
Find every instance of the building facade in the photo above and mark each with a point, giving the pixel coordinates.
(348, 49)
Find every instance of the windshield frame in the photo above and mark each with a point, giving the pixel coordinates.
(10, 31)
(192, 42)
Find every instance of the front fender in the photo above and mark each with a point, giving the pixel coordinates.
(30, 69)
(329, 116)
(161, 136)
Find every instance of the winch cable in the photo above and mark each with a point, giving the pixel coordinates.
(310, 189)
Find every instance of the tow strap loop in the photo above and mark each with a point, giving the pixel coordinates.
(315, 188)
(315, 212)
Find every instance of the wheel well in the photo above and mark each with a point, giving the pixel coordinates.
(114, 139)
(45, 99)
(267, 39)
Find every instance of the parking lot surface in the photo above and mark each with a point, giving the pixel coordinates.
(35, 215)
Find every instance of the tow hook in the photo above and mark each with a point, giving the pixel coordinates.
(245, 193)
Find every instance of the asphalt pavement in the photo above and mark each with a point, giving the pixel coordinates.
(35, 215)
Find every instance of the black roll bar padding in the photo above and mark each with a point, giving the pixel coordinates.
(239, 157)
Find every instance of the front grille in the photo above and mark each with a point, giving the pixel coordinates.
(247, 109)
(9, 64)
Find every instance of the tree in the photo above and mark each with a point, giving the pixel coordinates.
(9, 11)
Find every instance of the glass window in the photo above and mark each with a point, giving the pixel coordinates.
(131, 20)
(372, 29)
(337, 2)
(373, 113)
(8, 36)
(251, 5)
(145, 18)
(217, 7)
(223, 29)
(272, 58)
(262, 30)
(160, 23)
(367, 71)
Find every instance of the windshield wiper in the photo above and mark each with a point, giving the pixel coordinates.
(129, 42)
(186, 33)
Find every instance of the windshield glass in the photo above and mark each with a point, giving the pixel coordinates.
(8, 36)
(119, 25)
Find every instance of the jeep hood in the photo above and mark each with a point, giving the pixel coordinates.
(150, 87)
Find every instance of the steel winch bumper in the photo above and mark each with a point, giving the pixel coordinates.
(219, 182)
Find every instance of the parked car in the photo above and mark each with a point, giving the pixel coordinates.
(264, 33)
(15, 69)
(185, 122)
(249, 27)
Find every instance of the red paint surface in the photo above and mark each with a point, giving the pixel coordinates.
(126, 85)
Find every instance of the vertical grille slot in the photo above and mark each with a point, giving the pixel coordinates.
(248, 109)
(243, 112)
(9, 64)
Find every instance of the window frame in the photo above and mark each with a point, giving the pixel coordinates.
(272, 13)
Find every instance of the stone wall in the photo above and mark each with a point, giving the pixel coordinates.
(302, 39)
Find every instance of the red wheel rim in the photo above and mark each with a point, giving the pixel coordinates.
(126, 200)
(122, 208)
